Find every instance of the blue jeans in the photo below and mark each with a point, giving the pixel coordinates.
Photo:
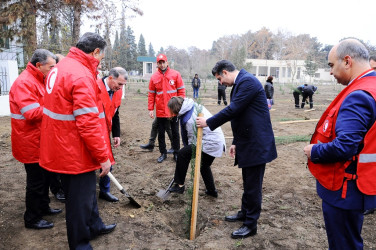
(195, 92)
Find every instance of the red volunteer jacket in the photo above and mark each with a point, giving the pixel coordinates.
(161, 88)
(332, 175)
(110, 106)
(26, 108)
(72, 138)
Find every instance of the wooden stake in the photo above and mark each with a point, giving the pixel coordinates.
(196, 182)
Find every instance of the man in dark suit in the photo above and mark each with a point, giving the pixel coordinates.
(253, 145)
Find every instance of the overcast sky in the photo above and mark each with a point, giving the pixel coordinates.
(185, 23)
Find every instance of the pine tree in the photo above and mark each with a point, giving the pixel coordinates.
(151, 51)
(141, 52)
(131, 50)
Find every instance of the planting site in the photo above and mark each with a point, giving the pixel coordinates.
(291, 216)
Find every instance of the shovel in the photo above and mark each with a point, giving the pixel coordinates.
(164, 194)
(122, 190)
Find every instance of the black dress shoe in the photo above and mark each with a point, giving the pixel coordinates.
(212, 193)
(60, 196)
(162, 158)
(41, 224)
(107, 229)
(148, 146)
(170, 151)
(108, 196)
(369, 211)
(236, 217)
(244, 232)
(51, 211)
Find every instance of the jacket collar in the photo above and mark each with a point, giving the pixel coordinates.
(35, 72)
(88, 61)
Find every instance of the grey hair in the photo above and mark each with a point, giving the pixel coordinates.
(353, 48)
(117, 71)
(373, 58)
(41, 56)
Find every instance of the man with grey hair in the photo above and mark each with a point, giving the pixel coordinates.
(26, 107)
(72, 141)
(111, 93)
(342, 153)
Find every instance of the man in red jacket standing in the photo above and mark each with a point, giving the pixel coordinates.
(164, 84)
(26, 107)
(73, 138)
(111, 93)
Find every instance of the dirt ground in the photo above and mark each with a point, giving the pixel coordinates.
(291, 216)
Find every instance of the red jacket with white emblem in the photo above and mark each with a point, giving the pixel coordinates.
(26, 108)
(332, 175)
(72, 138)
(110, 106)
(162, 87)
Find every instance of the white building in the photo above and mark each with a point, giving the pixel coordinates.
(287, 71)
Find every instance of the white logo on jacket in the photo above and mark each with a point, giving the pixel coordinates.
(172, 82)
(326, 124)
(51, 80)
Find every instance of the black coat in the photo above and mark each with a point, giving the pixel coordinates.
(250, 122)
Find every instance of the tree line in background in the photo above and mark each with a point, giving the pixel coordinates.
(55, 25)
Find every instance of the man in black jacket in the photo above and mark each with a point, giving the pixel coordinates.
(253, 145)
(308, 91)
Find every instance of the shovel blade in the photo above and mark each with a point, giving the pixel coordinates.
(163, 194)
(133, 202)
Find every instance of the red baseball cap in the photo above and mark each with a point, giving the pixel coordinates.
(161, 57)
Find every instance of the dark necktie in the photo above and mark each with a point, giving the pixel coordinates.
(110, 93)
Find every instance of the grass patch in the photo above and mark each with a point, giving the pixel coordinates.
(291, 139)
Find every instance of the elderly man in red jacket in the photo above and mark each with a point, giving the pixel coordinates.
(111, 93)
(26, 107)
(164, 84)
(73, 141)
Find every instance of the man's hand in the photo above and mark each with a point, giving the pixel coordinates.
(201, 122)
(106, 166)
(307, 150)
(151, 114)
(232, 151)
(116, 142)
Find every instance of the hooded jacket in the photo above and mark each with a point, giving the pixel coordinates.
(26, 108)
(72, 138)
(213, 142)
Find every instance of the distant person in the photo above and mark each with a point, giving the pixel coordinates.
(111, 93)
(253, 145)
(308, 91)
(213, 144)
(196, 84)
(72, 137)
(296, 93)
(164, 84)
(26, 101)
(269, 91)
(341, 155)
(222, 93)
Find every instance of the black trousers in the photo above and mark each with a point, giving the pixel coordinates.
(55, 183)
(252, 195)
(182, 164)
(37, 185)
(296, 98)
(161, 133)
(305, 96)
(154, 131)
(222, 95)
(82, 216)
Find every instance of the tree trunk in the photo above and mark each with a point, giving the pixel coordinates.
(30, 39)
(76, 22)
